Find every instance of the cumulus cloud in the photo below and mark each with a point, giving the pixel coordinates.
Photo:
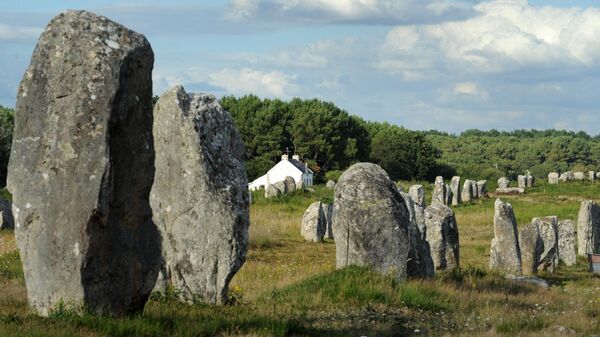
(18, 33)
(248, 80)
(506, 35)
(351, 11)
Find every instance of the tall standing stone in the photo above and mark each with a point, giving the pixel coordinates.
(467, 191)
(482, 189)
(290, 184)
(592, 176)
(567, 176)
(438, 195)
(503, 183)
(82, 166)
(456, 191)
(328, 210)
(531, 247)
(370, 221)
(442, 235)
(553, 178)
(419, 264)
(548, 227)
(522, 181)
(449, 195)
(505, 255)
(567, 252)
(530, 180)
(314, 223)
(199, 197)
(417, 194)
(588, 228)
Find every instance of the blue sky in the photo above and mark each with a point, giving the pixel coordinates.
(424, 64)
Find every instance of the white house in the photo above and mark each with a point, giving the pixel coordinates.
(286, 167)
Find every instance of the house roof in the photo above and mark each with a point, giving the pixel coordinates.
(300, 166)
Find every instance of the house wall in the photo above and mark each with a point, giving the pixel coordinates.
(278, 173)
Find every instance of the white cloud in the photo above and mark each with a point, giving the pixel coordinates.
(18, 33)
(351, 11)
(248, 80)
(505, 36)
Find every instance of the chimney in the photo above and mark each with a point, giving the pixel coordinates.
(296, 157)
(284, 157)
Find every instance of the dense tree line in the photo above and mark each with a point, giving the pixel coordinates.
(327, 136)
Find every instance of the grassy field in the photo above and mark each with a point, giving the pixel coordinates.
(290, 288)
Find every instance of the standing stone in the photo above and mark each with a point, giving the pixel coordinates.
(314, 223)
(281, 186)
(597, 175)
(566, 242)
(531, 246)
(449, 195)
(530, 181)
(548, 227)
(82, 166)
(467, 191)
(522, 181)
(417, 195)
(567, 176)
(510, 190)
(456, 191)
(553, 178)
(419, 264)
(271, 191)
(199, 197)
(370, 221)
(330, 184)
(290, 184)
(328, 210)
(592, 176)
(442, 236)
(6, 217)
(505, 255)
(588, 228)
(482, 189)
(503, 182)
(579, 176)
(474, 189)
(439, 191)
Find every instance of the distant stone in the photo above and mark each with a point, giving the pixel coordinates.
(503, 182)
(548, 227)
(505, 254)
(482, 189)
(588, 228)
(567, 252)
(592, 176)
(522, 181)
(290, 184)
(456, 190)
(530, 181)
(467, 191)
(597, 175)
(370, 221)
(272, 191)
(314, 223)
(330, 184)
(419, 264)
(417, 194)
(203, 213)
(553, 178)
(529, 280)
(579, 176)
(449, 195)
(82, 166)
(6, 217)
(567, 176)
(442, 235)
(474, 189)
(438, 194)
(328, 210)
(531, 246)
(281, 186)
(510, 190)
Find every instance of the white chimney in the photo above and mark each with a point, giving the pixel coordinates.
(296, 157)
(284, 157)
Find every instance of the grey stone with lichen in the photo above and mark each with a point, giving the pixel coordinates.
(588, 228)
(199, 197)
(503, 183)
(553, 178)
(442, 236)
(314, 223)
(456, 190)
(82, 166)
(419, 264)
(290, 184)
(567, 251)
(370, 221)
(438, 195)
(531, 246)
(548, 229)
(482, 190)
(505, 253)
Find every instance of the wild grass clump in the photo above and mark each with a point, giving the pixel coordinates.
(515, 326)
(10, 266)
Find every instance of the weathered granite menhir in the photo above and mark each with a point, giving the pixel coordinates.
(505, 254)
(199, 197)
(82, 166)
